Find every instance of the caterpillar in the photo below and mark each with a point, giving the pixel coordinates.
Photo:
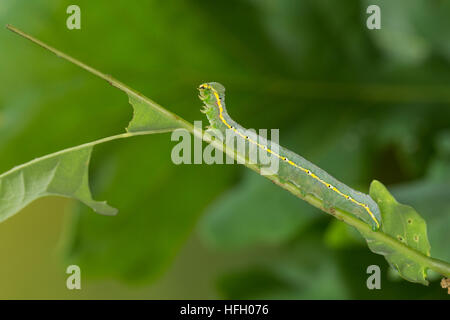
(306, 176)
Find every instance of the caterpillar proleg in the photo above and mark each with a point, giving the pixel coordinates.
(293, 168)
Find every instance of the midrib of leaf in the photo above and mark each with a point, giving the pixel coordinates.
(439, 266)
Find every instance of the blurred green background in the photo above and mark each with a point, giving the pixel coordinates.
(362, 104)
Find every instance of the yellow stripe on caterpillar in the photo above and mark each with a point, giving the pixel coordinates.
(307, 171)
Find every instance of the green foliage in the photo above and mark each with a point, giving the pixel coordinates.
(409, 35)
(249, 215)
(307, 67)
(158, 117)
(66, 173)
(307, 270)
(146, 118)
(430, 195)
(63, 174)
(403, 223)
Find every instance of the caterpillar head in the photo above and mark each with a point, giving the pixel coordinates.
(211, 91)
(213, 96)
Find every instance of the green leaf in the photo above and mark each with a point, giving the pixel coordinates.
(430, 196)
(64, 174)
(431, 199)
(149, 116)
(403, 223)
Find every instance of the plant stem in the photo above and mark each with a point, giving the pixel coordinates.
(439, 266)
(112, 81)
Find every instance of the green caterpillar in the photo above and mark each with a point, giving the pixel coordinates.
(293, 168)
